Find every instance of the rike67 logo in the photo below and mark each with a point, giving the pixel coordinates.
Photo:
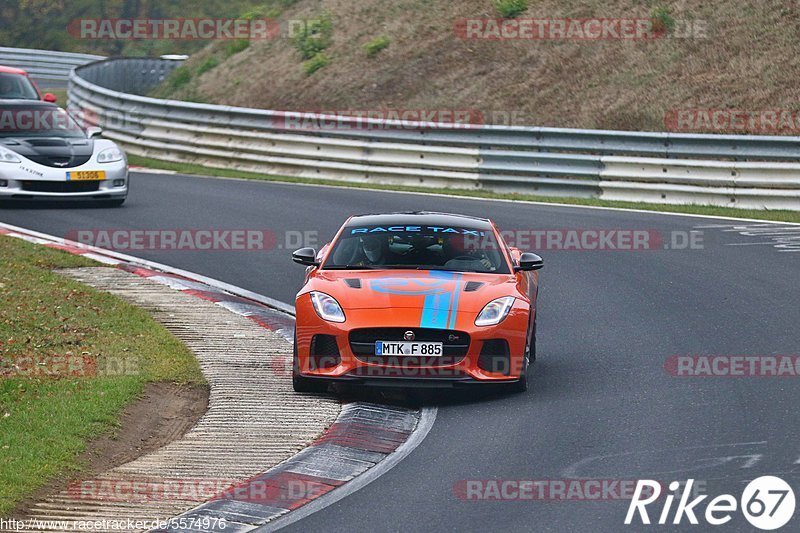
(767, 502)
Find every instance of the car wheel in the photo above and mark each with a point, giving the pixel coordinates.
(301, 384)
(522, 384)
(530, 357)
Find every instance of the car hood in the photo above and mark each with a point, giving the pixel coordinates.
(52, 151)
(424, 289)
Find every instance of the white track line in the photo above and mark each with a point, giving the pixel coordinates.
(427, 418)
(227, 287)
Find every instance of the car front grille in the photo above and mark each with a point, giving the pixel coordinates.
(455, 345)
(59, 161)
(409, 372)
(60, 186)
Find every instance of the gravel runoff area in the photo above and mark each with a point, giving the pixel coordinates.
(254, 420)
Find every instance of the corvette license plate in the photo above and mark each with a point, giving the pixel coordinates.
(86, 175)
(408, 348)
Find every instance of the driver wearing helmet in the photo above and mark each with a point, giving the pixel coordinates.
(374, 249)
(457, 250)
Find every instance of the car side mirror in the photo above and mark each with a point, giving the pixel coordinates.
(529, 261)
(93, 132)
(50, 97)
(305, 256)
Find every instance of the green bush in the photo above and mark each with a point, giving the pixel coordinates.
(207, 65)
(253, 14)
(179, 77)
(376, 45)
(663, 21)
(510, 8)
(234, 47)
(314, 36)
(315, 63)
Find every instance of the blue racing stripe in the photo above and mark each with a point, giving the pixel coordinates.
(437, 306)
(454, 310)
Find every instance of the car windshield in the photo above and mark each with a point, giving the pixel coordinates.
(37, 121)
(17, 86)
(458, 249)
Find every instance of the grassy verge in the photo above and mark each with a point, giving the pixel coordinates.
(71, 358)
(761, 214)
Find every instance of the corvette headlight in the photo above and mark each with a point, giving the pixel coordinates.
(8, 156)
(327, 307)
(495, 311)
(109, 155)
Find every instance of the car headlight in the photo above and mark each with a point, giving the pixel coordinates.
(327, 307)
(8, 156)
(109, 155)
(495, 311)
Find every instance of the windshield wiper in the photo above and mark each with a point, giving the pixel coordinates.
(352, 267)
(447, 269)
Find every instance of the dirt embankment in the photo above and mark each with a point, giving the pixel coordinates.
(720, 55)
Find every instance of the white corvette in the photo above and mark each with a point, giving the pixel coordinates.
(44, 154)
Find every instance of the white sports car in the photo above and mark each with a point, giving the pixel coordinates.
(45, 154)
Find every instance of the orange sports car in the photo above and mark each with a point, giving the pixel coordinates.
(415, 299)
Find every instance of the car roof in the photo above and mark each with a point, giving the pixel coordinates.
(420, 218)
(12, 70)
(26, 103)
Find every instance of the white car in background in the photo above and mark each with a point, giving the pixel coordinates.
(46, 155)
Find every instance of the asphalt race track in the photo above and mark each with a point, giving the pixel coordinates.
(602, 405)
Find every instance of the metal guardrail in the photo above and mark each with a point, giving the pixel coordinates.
(730, 170)
(49, 69)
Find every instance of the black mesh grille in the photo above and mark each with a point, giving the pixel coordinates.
(473, 286)
(60, 186)
(324, 352)
(408, 372)
(455, 345)
(59, 161)
(495, 357)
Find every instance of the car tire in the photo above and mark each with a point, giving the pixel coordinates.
(530, 358)
(521, 385)
(301, 384)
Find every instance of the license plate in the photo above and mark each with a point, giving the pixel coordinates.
(408, 348)
(86, 175)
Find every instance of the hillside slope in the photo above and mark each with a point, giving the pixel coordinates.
(748, 60)
(50, 24)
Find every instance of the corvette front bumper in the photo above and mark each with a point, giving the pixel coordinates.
(29, 181)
